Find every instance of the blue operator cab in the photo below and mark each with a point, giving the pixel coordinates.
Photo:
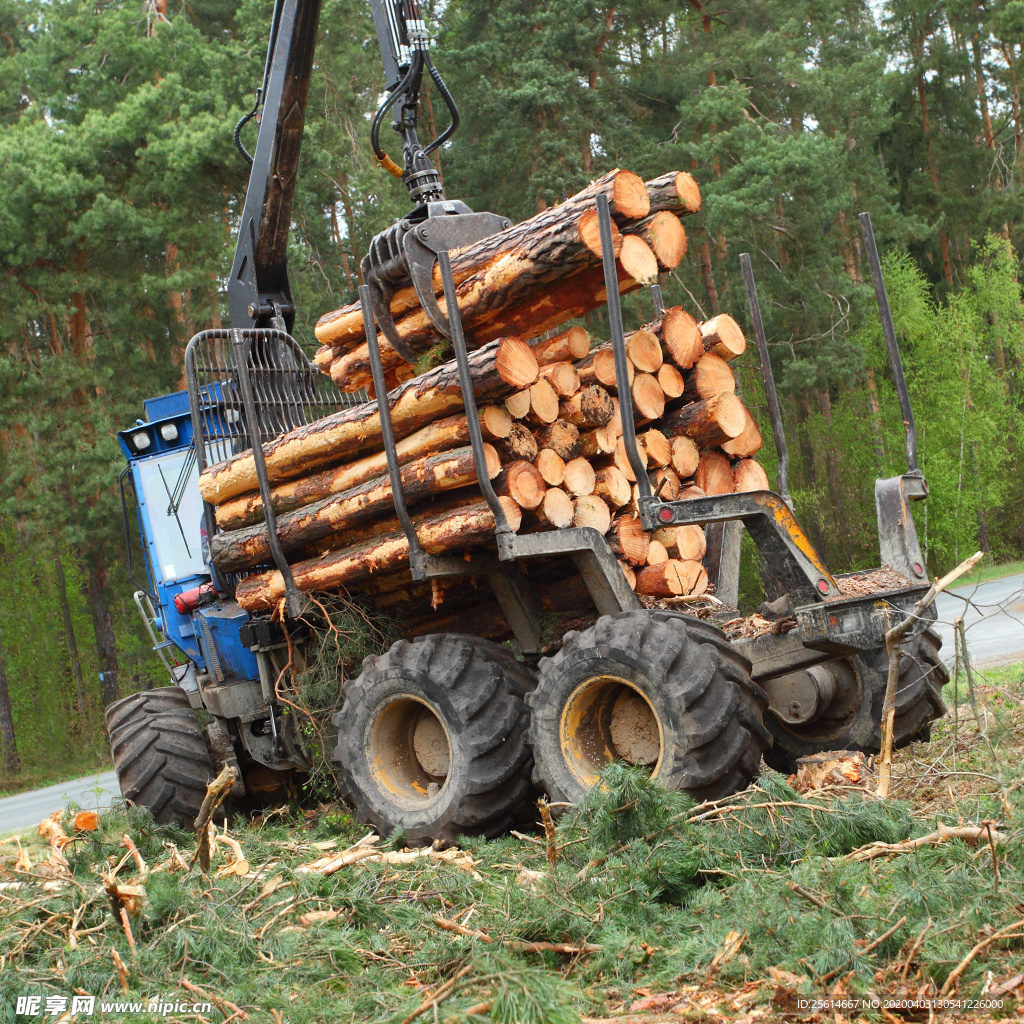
(201, 630)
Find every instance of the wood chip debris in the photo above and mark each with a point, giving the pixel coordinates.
(871, 581)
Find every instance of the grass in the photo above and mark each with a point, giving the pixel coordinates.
(985, 572)
(38, 777)
(715, 913)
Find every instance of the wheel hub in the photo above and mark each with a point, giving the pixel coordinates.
(409, 751)
(607, 719)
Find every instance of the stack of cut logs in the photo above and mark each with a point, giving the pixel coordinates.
(550, 416)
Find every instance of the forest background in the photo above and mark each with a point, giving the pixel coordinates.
(122, 188)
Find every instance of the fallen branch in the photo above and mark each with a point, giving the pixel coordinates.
(220, 1002)
(439, 996)
(871, 946)
(519, 945)
(968, 833)
(1003, 933)
(216, 792)
(893, 639)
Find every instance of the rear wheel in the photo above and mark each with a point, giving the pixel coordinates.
(652, 688)
(160, 753)
(838, 705)
(431, 738)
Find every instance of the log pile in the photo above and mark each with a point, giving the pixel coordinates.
(550, 416)
(530, 278)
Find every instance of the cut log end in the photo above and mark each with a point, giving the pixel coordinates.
(671, 380)
(591, 511)
(516, 363)
(628, 540)
(714, 474)
(551, 466)
(523, 483)
(644, 351)
(682, 337)
(543, 403)
(638, 260)
(648, 398)
(571, 344)
(579, 477)
(749, 476)
(556, 510)
(561, 437)
(685, 456)
(723, 336)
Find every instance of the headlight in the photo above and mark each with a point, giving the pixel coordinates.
(141, 441)
(232, 415)
(169, 432)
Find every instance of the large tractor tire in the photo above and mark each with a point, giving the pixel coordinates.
(852, 719)
(431, 739)
(160, 753)
(652, 688)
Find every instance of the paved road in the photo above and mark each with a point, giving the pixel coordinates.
(28, 809)
(994, 621)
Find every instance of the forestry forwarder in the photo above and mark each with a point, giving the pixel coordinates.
(450, 733)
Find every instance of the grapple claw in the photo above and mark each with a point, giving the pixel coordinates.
(408, 251)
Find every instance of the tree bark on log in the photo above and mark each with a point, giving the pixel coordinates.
(440, 436)
(250, 546)
(676, 192)
(708, 423)
(451, 531)
(351, 431)
(528, 240)
(711, 376)
(562, 437)
(541, 309)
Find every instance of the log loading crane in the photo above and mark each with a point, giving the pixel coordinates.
(494, 725)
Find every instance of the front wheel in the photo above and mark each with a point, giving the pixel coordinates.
(656, 689)
(160, 753)
(431, 738)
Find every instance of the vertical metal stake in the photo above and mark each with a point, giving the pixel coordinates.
(476, 438)
(910, 430)
(240, 354)
(658, 298)
(416, 562)
(611, 287)
(768, 376)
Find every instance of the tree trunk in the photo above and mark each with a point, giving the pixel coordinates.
(538, 246)
(488, 312)
(12, 763)
(421, 479)
(103, 628)
(933, 171)
(440, 436)
(714, 421)
(69, 632)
